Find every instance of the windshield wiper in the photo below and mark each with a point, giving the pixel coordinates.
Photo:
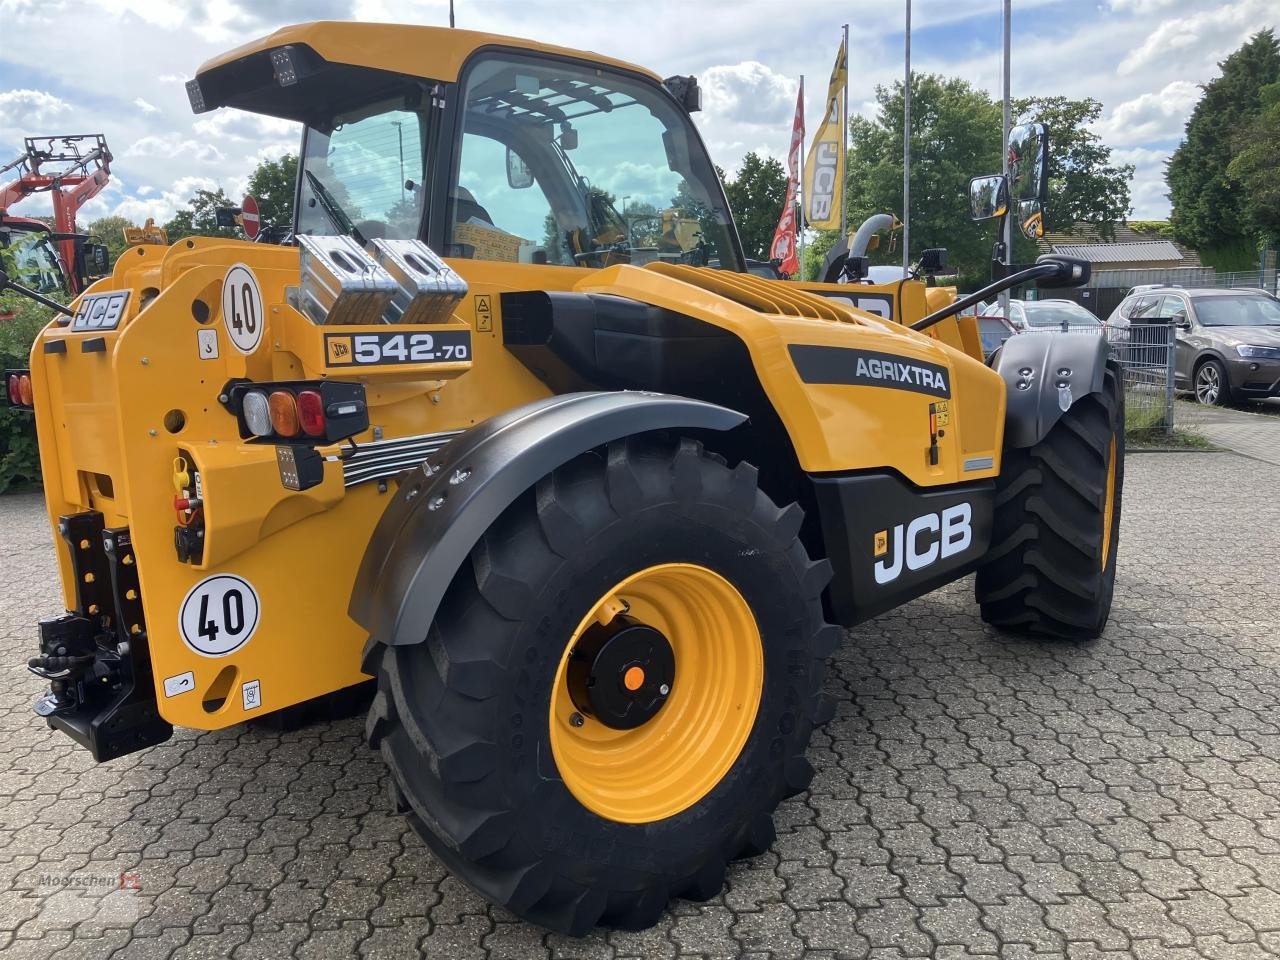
(332, 209)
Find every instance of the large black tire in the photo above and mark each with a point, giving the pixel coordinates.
(462, 719)
(1046, 572)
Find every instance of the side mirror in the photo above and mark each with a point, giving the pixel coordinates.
(1071, 271)
(568, 137)
(988, 197)
(1029, 162)
(519, 176)
(1031, 216)
(1182, 323)
(225, 217)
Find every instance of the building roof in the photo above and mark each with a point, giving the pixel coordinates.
(1125, 247)
(1145, 251)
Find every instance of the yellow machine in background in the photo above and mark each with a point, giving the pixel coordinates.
(585, 508)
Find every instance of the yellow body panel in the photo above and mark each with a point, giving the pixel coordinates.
(105, 444)
(435, 53)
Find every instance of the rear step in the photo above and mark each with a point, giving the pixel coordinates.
(101, 692)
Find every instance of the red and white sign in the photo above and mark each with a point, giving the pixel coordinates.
(249, 218)
(784, 238)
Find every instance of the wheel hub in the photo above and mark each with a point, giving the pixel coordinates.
(620, 673)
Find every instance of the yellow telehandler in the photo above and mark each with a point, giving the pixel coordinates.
(588, 513)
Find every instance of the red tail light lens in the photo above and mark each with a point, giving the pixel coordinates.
(26, 396)
(14, 397)
(311, 412)
(284, 413)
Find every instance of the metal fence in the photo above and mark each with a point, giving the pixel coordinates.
(1146, 353)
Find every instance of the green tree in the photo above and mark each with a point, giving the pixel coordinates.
(110, 231)
(756, 196)
(955, 135)
(272, 185)
(1256, 167)
(199, 217)
(1084, 185)
(1211, 206)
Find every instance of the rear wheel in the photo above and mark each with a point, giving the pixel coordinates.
(1051, 569)
(1211, 384)
(616, 692)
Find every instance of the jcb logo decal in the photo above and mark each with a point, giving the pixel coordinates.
(923, 542)
(339, 350)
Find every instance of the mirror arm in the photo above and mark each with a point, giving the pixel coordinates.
(7, 284)
(951, 309)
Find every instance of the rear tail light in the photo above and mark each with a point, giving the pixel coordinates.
(311, 412)
(18, 388)
(284, 413)
(304, 411)
(257, 413)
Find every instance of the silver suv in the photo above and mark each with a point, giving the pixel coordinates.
(1227, 342)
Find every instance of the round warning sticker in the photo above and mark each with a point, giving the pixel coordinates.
(219, 615)
(242, 308)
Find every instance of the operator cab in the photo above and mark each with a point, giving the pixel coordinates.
(506, 154)
(30, 259)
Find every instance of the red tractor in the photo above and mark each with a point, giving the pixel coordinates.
(55, 261)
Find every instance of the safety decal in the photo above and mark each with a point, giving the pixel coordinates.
(219, 615)
(242, 308)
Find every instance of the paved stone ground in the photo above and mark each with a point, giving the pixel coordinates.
(976, 795)
(1252, 430)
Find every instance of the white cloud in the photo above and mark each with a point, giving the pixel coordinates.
(173, 146)
(1151, 116)
(25, 108)
(144, 106)
(1148, 191)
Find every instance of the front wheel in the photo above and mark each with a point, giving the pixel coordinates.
(1051, 569)
(1211, 384)
(617, 691)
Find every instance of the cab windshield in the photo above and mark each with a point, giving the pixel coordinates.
(31, 261)
(362, 174)
(574, 165)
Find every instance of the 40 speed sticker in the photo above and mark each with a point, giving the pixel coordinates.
(242, 308)
(219, 615)
(368, 349)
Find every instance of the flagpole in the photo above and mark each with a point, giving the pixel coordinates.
(906, 154)
(844, 137)
(1007, 222)
(800, 191)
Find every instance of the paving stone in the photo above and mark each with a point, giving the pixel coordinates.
(976, 794)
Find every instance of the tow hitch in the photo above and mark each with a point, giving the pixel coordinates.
(95, 657)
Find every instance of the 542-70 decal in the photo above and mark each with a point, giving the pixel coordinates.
(379, 349)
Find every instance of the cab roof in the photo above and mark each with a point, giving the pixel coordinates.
(432, 53)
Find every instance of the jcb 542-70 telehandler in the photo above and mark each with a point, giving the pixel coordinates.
(585, 500)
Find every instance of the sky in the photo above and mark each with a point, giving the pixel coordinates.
(118, 67)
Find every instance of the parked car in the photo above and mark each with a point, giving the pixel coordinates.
(993, 331)
(1048, 315)
(1227, 342)
(1147, 287)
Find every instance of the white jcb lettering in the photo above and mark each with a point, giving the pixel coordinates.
(917, 558)
(923, 542)
(957, 529)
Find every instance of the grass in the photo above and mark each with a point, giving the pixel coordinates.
(1157, 438)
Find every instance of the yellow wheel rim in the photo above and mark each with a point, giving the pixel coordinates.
(674, 759)
(1109, 507)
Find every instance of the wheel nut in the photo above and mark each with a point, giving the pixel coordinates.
(576, 720)
(664, 689)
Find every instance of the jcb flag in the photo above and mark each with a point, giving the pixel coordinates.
(784, 238)
(824, 168)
